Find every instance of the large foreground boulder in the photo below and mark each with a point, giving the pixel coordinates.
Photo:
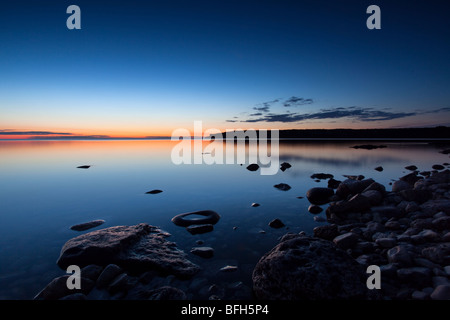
(308, 268)
(135, 248)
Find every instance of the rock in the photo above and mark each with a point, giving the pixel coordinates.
(419, 196)
(314, 209)
(379, 169)
(284, 166)
(204, 252)
(120, 284)
(346, 240)
(401, 255)
(307, 268)
(438, 167)
(411, 178)
(207, 217)
(319, 219)
(228, 269)
(387, 212)
(110, 272)
(136, 248)
(84, 167)
(74, 296)
(447, 270)
(282, 186)
(155, 191)
(441, 292)
(254, 205)
(327, 232)
(253, 167)
(392, 225)
(417, 275)
(400, 185)
(374, 196)
(167, 293)
(386, 242)
(58, 289)
(91, 272)
(322, 176)
(411, 168)
(87, 225)
(200, 228)
(276, 223)
(333, 183)
(419, 295)
(425, 173)
(319, 196)
(439, 253)
(352, 187)
(377, 187)
(434, 206)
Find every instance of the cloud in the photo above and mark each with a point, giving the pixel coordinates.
(446, 109)
(265, 106)
(296, 101)
(354, 113)
(10, 132)
(96, 136)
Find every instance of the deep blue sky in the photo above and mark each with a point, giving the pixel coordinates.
(140, 68)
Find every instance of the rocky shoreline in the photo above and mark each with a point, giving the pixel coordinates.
(406, 232)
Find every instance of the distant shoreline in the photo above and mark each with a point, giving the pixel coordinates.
(401, 134)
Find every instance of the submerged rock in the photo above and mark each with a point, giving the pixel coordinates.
(200, 228)
(136, 248)
(282, 186)
(87, 225)
(204, 252)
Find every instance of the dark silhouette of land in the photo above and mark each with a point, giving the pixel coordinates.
(436, 133)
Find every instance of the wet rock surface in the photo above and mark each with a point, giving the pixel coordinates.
(135, 248)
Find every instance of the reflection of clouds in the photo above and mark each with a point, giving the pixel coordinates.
(359, 161)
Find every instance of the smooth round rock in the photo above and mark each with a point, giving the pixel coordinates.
(208, 217)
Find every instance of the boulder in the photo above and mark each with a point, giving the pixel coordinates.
(319, 196)
(308, 268)
(58, 289)
(400, 185)
(346, 241)
(314, 209)
(327, 232)
(276, 223)
(136, 248)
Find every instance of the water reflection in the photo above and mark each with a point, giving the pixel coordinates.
(42, 194)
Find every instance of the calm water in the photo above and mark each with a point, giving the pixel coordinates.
(42, 194)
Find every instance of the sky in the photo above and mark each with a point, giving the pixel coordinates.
(146, 68)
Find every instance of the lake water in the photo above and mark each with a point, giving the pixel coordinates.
(42, 194)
